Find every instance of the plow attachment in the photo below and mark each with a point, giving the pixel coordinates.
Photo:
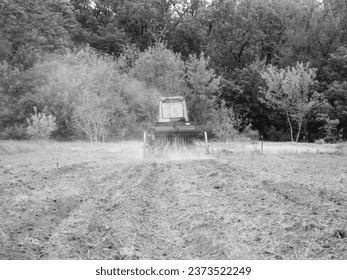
(160, 143)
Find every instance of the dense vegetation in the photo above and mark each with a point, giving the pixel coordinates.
(77, 68)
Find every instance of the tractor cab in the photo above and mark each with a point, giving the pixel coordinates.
(173, 109)
(173, 130)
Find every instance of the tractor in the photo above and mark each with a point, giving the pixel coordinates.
(173, 131)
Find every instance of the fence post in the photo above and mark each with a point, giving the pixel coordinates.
(206, 143)
(144, 144)
(262, 143)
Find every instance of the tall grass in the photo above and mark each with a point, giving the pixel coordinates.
(342, 148)
(14, 147)
(18, 147)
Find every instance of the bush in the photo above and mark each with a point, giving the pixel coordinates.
(330, 130)
(250, 133)
(15, 132)
(272, 134)
(224, 123)
(40, 125)
(319, 141)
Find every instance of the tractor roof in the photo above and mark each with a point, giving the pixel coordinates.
(180, 98)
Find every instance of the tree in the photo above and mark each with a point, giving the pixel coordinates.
(238, 32)
(334, 79)
(160, 68)
(91, 116)
(100, 28)
(289, 90)
(14, 83)
(83, 89)
(224, 123)
(34, 27)
(40, 125)
(141, 20)
(241, 92)
(203, 86)
(336, 95)
(185, 31)
(142, 102)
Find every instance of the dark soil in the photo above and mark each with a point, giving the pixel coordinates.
(229, 206)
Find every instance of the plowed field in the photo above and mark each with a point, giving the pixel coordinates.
(73, 201)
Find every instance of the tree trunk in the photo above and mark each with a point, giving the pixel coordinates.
(90, 134)
(95, 132)
(290, 126)
(101, 133)
(298, 135)
(306, 135)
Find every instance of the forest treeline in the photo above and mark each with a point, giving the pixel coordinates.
(78, 68)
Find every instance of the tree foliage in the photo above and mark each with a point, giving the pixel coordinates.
(40, 125)
(160, 68)
(224, 123)
(289, 90)
(83, 89)
(34, 27)
(203, 86)
(122, 55)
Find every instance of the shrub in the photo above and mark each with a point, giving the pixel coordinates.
(250, 133)
(273, 134)
(16, 132)
(224, 123)
(40, 125)
(319, 141)
(331, 133)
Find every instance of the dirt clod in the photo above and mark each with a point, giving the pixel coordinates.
(339, 234)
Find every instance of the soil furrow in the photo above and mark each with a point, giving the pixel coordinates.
(232, 206)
